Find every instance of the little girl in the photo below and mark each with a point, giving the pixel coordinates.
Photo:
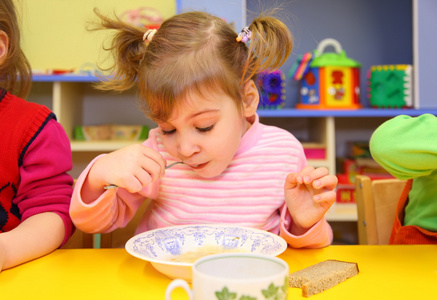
(197, 78)
(35, 189)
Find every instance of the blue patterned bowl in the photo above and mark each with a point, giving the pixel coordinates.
(163, 246)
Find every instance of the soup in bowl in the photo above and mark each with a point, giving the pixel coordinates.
(173, 250)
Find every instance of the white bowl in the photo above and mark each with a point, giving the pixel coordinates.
(160, 246)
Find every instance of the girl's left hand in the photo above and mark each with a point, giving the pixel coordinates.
(308, 195)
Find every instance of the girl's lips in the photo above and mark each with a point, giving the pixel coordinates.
(199, 166)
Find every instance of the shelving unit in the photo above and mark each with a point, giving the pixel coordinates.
(67, 96)
(67, 104)
(370, 37)
(331, 122)
(345, 113)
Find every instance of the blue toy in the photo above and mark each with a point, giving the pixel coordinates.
(272, 89)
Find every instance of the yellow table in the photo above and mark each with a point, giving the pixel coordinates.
(386, 272)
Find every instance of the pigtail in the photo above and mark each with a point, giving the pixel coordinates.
(24, 76)
(15, 71)
(127, 49)
(270, 45)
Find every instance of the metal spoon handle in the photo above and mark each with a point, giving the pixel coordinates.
(173, 164)
(113, 186)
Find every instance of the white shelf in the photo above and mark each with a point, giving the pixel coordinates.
(69, 100)
(320, 163)
(100, 146)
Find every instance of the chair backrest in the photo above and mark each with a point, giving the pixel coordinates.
(79, 239)
(376, 204)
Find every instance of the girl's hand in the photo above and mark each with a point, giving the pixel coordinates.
(132, 167)
(308, 195)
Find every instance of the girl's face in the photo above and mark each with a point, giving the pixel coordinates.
(205, 132)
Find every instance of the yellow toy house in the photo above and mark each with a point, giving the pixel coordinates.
(328, 80)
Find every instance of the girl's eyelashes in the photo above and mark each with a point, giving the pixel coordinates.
(205, 129)
(165, 132)
(200, 129)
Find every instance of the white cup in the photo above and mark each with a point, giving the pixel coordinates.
(235, 276)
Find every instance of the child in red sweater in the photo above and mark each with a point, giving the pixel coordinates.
(35, 189)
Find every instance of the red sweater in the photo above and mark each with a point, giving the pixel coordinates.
(35, 156)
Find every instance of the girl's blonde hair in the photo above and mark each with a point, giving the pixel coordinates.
(191, 52)
(15, 71)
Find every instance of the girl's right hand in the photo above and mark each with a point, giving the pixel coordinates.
(132, 167)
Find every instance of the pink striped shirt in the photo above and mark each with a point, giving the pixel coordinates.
(250, 192)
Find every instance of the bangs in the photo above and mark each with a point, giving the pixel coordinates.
(197, 72)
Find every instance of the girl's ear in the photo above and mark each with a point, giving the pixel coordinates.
(250, 99)
(4, 46)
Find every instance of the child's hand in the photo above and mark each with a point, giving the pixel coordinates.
(132, 167)
(2, 256)
(308, 195)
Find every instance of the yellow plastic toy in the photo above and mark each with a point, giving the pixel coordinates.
(330, 80)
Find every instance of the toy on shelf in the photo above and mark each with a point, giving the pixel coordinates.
(113, 132)
(301, 66)
(272, 89)
(358, 162)
(148, 17)
(314, 150)
(89, 69)
(328, 80)
(345, 191)
(390, 86)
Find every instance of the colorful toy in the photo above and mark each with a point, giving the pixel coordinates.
(148, 17)
(301, 66)
(345, 193)
(272, 89)
(390, 86)
(114, 132)
(328, 80)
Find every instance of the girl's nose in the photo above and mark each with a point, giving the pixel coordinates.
(187, 146)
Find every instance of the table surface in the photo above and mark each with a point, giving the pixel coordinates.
(386, 272)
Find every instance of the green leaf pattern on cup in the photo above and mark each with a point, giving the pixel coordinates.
(284, 288)
(247, 298)
(225, 294)
(271, 293)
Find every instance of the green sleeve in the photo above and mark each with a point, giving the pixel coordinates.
(406, 146)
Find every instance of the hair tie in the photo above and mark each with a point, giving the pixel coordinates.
(244, 35)
(149, 35)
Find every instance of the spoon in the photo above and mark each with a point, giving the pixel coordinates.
(113, 186)
(173, 164)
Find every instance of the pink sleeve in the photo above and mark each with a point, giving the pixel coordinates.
(113, 209)
(45, 185)
(320, 235)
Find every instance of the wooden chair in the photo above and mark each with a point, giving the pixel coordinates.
(79, 239)
(376, 205)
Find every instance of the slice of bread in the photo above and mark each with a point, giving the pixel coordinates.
(322, 276)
